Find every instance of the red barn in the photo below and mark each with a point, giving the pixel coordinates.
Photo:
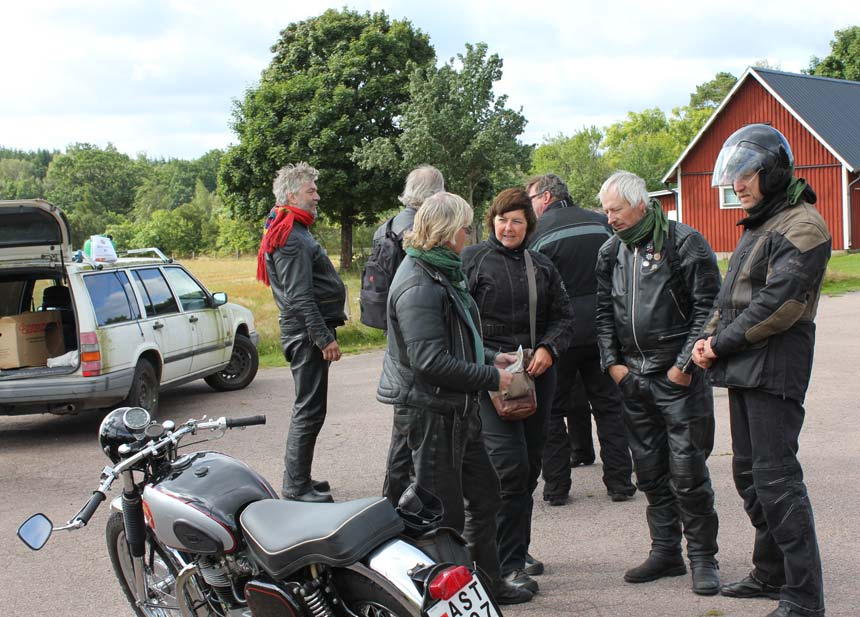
(819, 116)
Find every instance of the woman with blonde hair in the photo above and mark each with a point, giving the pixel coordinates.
(433, 370)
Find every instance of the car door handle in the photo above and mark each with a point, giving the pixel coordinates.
(193, 319)
(157, 325)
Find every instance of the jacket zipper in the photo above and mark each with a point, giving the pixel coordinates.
(635, 277)
(463, 350)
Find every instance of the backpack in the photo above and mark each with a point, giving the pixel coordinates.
(677, 281)
(377, 275)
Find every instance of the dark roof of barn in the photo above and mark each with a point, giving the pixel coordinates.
(829, 108)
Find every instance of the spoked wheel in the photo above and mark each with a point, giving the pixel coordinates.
(160, 573)
(367, 599)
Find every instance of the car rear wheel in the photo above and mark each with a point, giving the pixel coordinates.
(242, 368)
(144, 388)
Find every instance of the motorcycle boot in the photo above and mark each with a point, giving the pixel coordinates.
(310, 496)
(507, 593)
(706, 578)
(655, 567)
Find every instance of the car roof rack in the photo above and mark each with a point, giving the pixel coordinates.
(164, 258)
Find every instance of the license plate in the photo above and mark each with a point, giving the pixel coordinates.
(471, 601)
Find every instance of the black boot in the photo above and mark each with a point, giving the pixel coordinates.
(656, 566)
(706, 578)
(533, 567)
(506, 593)
(750, 587)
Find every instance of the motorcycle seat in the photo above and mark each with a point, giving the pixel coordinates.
(287, 535)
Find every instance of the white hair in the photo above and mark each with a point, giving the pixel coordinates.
(291, 178)
(421, 183)
(628, 186)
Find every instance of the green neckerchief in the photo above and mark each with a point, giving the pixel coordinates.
(655, 223)
(448, 263)
(795, 190)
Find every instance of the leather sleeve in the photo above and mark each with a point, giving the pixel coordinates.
(796, 265)
(421, 312)
(607, 341)
(294, 263)
(702, 279)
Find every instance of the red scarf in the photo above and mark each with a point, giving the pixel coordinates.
(276, 231)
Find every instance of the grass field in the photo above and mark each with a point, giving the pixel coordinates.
(237, 277)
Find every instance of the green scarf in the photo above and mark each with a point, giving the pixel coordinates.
(655, 224)
(448, 263)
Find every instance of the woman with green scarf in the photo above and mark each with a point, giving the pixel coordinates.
(433, 370)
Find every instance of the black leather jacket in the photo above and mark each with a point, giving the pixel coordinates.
(571, 237)
(646, 319)
(309, 293)
(430, 361)
(498, 283)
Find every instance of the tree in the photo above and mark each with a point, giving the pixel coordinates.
(335, 81)
(19, 179)
(95, 187)
(642, 143)
(843, 62)
(710, 94)
(578, 160)
(454, 121)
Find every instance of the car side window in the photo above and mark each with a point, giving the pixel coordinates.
(113, 298)
(156, 295)
(192, 296)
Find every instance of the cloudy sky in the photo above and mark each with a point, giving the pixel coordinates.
(160, 76)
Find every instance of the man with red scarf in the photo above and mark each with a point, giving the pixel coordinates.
(310, 297)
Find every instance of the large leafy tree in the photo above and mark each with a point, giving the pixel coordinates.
(95, 187)
(453, 120)
(335, 81)
(578, 160)
(843, 62)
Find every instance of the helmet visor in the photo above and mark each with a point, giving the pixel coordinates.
(738, 161)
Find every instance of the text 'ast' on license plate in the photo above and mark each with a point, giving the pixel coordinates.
(471, 601)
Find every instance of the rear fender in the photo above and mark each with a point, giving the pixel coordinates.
(390, 565)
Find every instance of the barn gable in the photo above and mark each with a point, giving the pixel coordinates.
(819, 116)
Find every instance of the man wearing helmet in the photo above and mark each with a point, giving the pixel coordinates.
(758, 342)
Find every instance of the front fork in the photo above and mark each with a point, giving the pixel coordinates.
(131, 507)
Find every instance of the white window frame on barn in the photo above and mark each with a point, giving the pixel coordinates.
(724, 203)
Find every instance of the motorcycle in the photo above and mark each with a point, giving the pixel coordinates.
(204, 535)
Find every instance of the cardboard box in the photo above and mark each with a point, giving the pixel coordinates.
(29, 339)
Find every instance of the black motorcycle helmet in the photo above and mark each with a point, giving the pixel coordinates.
(755, 148)
(420, 510)
(124, 425)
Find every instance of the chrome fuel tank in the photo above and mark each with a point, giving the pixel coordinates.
(195, 507)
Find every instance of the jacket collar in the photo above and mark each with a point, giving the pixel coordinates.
(496, 244)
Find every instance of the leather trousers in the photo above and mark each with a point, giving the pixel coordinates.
(516, 449)
(310, 378)
(603, 400)
(671, 432)
(451, 462)
(768, 476)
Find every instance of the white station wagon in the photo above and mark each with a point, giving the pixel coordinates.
(76, 334)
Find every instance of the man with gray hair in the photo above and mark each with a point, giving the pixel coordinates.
(387, 251)
(310, 297)
(656, 283)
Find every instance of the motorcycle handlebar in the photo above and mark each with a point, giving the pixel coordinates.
(88, 510)
(248, 421)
